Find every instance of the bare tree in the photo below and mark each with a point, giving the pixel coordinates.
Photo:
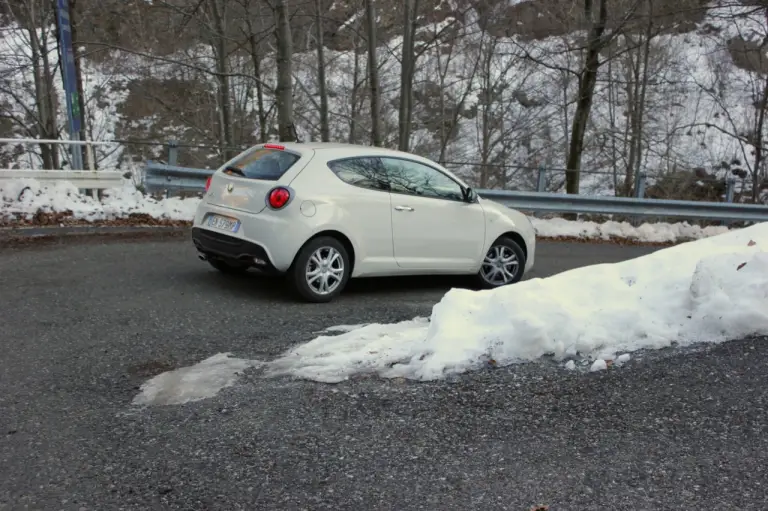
(373, 74)
(284, 89)
(587, 81)
(407, 66)
(325, 132)
(743, 124)
(217, 11)
(455, 84)
(37, 119)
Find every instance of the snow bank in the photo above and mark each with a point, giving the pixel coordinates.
(200, 381)
(651, 233)
(709, 290)
(23, 198)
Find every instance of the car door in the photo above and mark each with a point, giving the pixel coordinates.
(433, 227)
(364, 200)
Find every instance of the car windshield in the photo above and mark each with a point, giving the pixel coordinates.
(264, 163)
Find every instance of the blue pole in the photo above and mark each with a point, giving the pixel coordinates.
(69, 76)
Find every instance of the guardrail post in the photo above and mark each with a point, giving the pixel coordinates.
(541, 183)
(173, 152)
(730, 185)
(640, 188)
(730, 189)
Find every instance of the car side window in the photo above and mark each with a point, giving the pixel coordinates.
(413, 178)
(364, 172)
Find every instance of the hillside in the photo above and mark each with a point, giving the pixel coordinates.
(494, 90)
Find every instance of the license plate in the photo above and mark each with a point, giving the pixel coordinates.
(223, 223)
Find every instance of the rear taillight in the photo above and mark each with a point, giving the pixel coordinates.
(278, 197)
(208, 183)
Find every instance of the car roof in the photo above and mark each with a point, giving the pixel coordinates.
(338, 146)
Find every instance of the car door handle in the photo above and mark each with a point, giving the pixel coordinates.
(403, 208)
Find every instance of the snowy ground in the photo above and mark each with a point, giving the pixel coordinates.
(711, 290)
(22, 199)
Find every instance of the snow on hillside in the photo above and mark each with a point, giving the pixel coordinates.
(22, 199)
(696, 96)
(707, 291)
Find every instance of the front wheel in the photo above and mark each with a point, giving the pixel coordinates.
(504, 264)
(321, 270)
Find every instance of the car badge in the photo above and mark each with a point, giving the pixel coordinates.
(230, 187)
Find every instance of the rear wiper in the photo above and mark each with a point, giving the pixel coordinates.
(234, 170)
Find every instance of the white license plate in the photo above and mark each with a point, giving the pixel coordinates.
(223, 223)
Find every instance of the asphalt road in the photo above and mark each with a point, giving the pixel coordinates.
(83, 325)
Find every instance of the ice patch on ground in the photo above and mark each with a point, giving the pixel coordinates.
(709, 290)
(343, 328)
(200, 381)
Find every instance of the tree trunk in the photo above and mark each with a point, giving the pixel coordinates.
(612, 116)
(759, 126)
(587, 81)
(219, 47)
(260, 111)
(325, 132)
(406, 74)
(284, 90)
(632, 90)
(353, 98)
(638, 135)
(756, 181)
(485, 114)
(43, 93)
(373, 74)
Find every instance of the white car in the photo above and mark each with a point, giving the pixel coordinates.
(323, 213)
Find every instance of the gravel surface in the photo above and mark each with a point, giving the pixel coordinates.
(83, 325)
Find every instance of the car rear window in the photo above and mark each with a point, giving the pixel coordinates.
(264, 163)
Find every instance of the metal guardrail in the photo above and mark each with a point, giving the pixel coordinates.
(161, 178)
(599, 205)
(83, 179)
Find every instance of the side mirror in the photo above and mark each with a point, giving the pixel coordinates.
(469, 195)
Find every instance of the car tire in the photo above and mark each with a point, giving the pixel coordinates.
(502, 256)
(328, 251)
(228, 268)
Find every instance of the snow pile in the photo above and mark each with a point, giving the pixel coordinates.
(23, 198)
(709, 290)
(200, 381)
(653, 233)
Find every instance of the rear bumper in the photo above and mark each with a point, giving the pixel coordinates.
(214, 244)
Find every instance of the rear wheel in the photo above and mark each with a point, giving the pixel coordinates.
(321, 270)
(229, 268)
(503, 264)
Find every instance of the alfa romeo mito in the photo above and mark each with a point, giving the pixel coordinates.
(322, 213)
